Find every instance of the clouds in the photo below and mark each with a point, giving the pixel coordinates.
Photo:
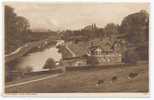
(74, 16)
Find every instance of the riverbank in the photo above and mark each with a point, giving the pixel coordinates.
(29, 48)
(12, 60)
(64, 51)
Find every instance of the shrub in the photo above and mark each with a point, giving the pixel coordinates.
(50, 63)
(130, 56)
(92, 60)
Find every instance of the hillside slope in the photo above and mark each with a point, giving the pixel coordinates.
(92, 80)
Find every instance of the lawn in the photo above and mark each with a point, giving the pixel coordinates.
(92, 80)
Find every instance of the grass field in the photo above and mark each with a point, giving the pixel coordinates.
(87, 81)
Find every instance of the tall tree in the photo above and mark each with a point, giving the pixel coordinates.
(22, 24)
(111, 29)
(15, 26)
(50, 63)
(10, 27)
(135, 28)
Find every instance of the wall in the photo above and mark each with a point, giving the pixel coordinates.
(109, 58)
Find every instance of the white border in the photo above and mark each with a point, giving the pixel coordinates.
(79, 94)
(86, 94)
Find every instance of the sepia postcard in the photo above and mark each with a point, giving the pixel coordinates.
(76, 49)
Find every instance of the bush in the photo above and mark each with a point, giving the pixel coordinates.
(130, 56)
(50, 63)
(143, 52)
(92, 60)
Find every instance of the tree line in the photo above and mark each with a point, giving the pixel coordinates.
(16, 28)
(18, 32)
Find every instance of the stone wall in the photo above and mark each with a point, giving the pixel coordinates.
(75, 62)
(109, 58)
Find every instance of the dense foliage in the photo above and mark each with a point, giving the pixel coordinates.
(135, 30)
(18, 32)
(15, 29)
(135, 27)
(50, 63)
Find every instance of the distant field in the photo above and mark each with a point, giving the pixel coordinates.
(86, 81)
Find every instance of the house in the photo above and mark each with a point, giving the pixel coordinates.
(105, 55)
(94, 50)
(98, 54)
(103, 51)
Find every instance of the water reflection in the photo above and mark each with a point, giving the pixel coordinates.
(37, 60)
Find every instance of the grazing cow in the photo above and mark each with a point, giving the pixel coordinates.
(132, 75)
(114, 78)
(99, 82)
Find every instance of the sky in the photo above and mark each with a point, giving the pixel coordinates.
(62, 16)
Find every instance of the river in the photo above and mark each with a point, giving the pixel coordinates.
(37, 60)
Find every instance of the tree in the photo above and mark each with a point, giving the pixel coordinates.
(50, 63)
(10, 28)
(22, 24)
(91, 60)
(23, 29)
(15, 27)
(135, 28)
(111, 29)
(130, 56)
(10, 21)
